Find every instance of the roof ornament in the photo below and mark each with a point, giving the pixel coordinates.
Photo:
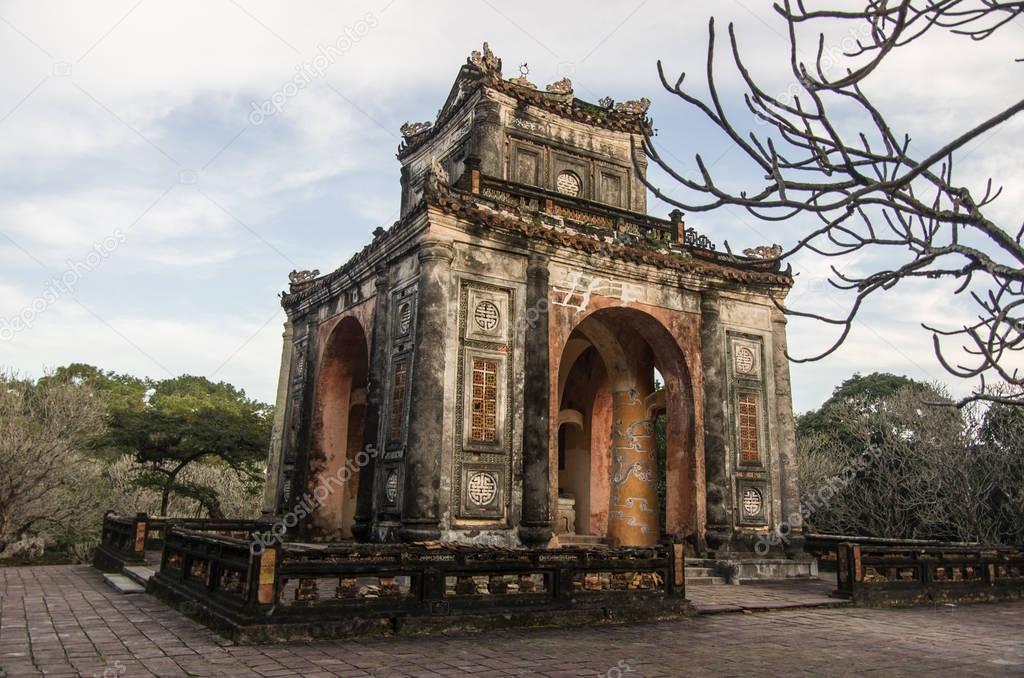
(486, 61)
(521, 79)
(412, 129)
(606, 102)
(299, 277)
(635, 107)
(563, 86)
(764, 252)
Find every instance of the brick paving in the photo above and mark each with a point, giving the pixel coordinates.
(780, 595)
(63, 621)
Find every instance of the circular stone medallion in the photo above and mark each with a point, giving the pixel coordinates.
(753, 502)
(482, 488)
(744, 360)
(487, 316)
(569, 184)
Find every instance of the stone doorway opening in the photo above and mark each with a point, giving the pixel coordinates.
(609, 481)
(339, 414)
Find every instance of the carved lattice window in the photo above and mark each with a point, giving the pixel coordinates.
(750, 449)
(399, 384)
(484, 403)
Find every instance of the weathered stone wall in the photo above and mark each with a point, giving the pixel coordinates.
(524, 244)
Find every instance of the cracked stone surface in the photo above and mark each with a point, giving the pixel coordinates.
(64, 621)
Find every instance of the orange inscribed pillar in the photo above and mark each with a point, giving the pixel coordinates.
(633, 518)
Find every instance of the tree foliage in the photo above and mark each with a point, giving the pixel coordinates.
(887, 462)
(865, 392)
(187, 419)
(81, 440)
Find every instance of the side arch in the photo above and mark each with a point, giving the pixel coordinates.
(339, 410)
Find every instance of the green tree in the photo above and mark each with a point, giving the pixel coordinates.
(898, 465)
(858, 394)
(187, 419)
(117, 392)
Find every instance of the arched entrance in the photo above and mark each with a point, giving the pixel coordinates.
(608, 472)
(340, 408)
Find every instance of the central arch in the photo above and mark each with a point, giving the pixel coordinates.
(340, 409)
(606, 477)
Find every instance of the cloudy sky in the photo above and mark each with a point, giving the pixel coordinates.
(149, 218)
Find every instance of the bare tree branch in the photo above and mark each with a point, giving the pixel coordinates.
(867, 189)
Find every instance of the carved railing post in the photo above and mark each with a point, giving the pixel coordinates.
(139, 544)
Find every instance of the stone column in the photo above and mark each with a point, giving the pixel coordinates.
(535, 524)
(420, 514)
(274, 456)
(633, 517)
(791, 518)
(303, 400)
(362, 527)
(716, 425)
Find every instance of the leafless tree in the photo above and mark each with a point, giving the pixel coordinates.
(47, 483)
(869, 190)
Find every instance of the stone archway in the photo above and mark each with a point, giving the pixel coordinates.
(339, 412)
(606, 373)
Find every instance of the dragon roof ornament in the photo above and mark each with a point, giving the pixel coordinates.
(300, 277)
(412, 129)
(765, 252)
(636, 107)
(486, 61)
(563, 86)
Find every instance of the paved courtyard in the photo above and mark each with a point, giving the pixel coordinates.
(63, 621)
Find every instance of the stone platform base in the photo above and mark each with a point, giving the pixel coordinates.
(308, 624)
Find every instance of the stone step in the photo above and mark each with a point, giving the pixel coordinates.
(123, 584)
(701, 562)
(140, 574)
(705, 581)
(699, 571)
